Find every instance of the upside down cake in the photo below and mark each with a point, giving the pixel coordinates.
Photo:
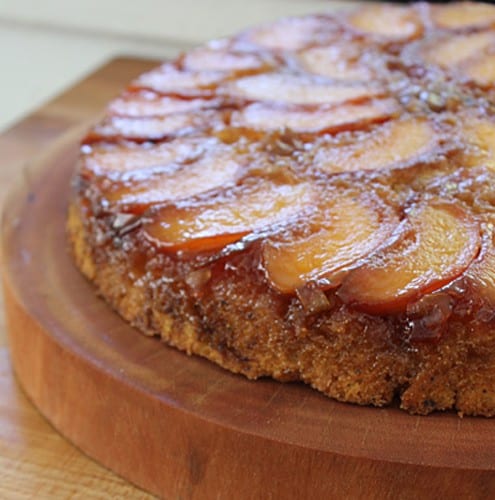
(310, 200)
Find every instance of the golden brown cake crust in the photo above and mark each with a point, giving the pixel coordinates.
(408, 156)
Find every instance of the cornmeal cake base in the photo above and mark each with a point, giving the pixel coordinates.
(310, 200)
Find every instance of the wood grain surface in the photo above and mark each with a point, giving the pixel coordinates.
(180, 426)
(35, 461)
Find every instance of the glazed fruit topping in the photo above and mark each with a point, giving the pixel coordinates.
(481, 70)
(347, 226)
(293, 33)
(480, 136)
(152, 129)
(214, 222)
(294, 89)
(174, 181)
(463, 15)
(457, 49)
(435, 244)
(172, 81)
(214, 58)
(387, 21)
(481, 274)
(337, 62)
(354, 156)
(334, 120)
(394, 144)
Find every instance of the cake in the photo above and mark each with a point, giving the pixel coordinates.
(310, 200)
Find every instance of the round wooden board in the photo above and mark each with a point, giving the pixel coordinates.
(180, 426)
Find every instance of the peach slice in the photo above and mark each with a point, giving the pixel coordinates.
(151, 129)
(149, 104)
(481, 70)
(481, 273)
(480, 135)
(457, 49)
(174, 183)
(169, 80)
(387, 21)
(349, 227)
(226, 218)
(334, 62)
(340, 118)
(463, 15)
(433, 246)
(126, 162)
(293, 33)
(221, 59)
(293, 89)
(394, 144)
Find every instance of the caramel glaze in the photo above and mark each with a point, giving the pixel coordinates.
(435, 350)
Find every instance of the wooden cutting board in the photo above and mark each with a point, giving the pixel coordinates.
(179, 426)
(35, 460)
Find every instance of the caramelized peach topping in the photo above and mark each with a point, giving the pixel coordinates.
(457, 49)
(334, 120)
(116, 128)
(169, 80)
(199, 193)
(481, 70)
(213, 58)
(387, 21)
(335, 61)
(174, 183)
(125, 162)
(433, 245)
(394, 144)
(291, 89)
(347, 226)
(213, 223)
(479, 134)
(462, 15)
(481, 274)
